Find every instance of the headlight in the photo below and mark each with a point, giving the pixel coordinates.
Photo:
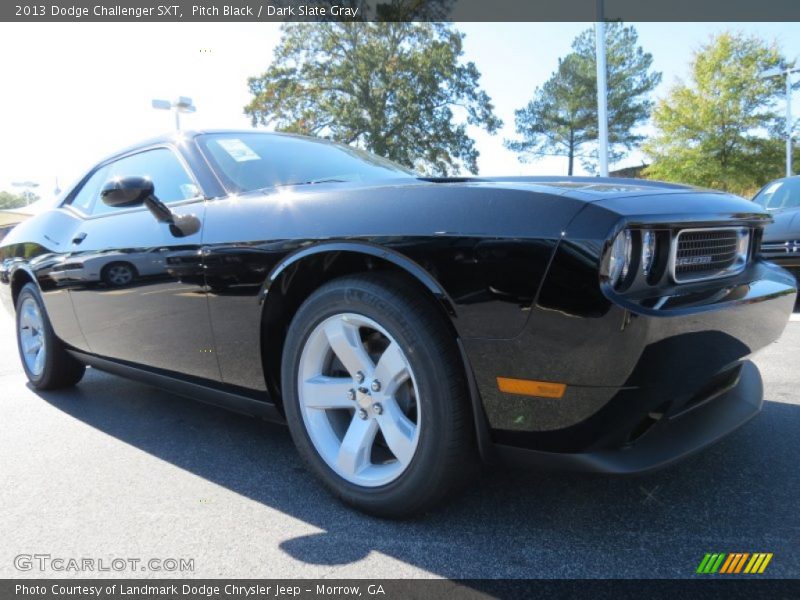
(742, 245)
(619, 262)
(648, 250)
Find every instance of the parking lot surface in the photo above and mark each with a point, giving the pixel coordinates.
(115, 468)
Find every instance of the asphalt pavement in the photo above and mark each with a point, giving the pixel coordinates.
(116, 469)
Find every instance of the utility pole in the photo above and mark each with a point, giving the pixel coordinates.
(602, 91)
(787, 72)
(788, 123)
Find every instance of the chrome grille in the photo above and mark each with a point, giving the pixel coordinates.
(700, 254)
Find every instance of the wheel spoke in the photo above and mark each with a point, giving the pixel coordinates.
(346, 343)
(392, 369)
(398, 431)
(38, 363)
(29, 317)
(354, 453)
(327, 392)
(31, 345)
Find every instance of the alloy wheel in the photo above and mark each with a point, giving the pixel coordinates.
(359, 399)
(31, 336)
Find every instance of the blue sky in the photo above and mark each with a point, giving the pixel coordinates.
(75, 92)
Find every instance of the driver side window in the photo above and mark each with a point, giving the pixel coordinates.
(171, 180)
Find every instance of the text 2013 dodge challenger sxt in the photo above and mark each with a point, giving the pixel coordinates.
(405, 328)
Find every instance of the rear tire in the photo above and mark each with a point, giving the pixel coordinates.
(46, 362)
(397, 447)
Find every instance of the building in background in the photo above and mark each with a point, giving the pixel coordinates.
(13, 217)
(630, 172)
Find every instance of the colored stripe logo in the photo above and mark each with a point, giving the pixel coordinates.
(734, 562)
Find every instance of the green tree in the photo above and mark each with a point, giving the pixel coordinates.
(397, 89)
(561, 119)
(721, 130)
(9, 200)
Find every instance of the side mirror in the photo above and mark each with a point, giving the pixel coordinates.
(127, 192)
(138, 191)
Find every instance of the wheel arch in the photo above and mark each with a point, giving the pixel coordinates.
(366, 250)
(301, 273)
(295, 278)
(127, 263)
(19, 278)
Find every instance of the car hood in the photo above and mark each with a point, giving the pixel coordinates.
(638, 200)
(587, 189)
(642, 199)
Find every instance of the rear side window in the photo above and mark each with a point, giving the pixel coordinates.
(171, 181)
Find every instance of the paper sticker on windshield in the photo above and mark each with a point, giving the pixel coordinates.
(238, 150)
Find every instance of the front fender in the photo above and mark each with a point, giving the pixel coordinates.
(366, 248)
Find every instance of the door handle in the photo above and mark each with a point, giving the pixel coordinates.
(79, 237)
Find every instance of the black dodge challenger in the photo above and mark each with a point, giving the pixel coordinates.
(405, 328)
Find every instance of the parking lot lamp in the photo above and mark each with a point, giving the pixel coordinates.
(181, 105)
(28, 187)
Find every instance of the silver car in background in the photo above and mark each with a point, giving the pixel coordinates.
(781, 242)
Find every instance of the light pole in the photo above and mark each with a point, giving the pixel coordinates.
(181, 105)
(602, 91)
(28, 189)
(777, 72)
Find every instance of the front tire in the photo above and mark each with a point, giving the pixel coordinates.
(46, 362)
(375, 395)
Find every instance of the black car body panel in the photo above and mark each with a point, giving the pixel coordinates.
(513, 264)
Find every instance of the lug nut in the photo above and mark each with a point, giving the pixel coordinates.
(362, 413)
(360, 377)
(376, 386)
(351, 394)
(377, 408)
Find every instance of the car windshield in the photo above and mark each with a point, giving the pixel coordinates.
(253, 161)
(780, 195)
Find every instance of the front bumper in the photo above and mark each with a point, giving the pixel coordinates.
(668, 440)
(640, 381)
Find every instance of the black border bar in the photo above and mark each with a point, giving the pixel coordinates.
(733, 587)
(399, 10)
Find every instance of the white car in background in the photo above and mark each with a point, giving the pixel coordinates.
(113, 268)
